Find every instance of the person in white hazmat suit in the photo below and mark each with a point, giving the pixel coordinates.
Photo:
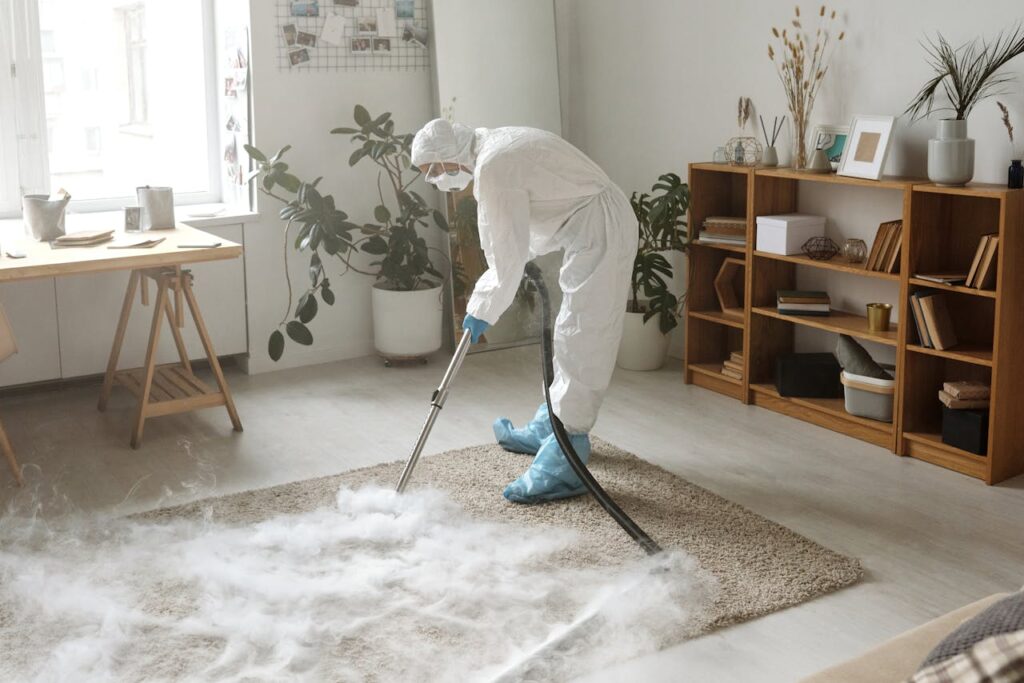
(536, 193)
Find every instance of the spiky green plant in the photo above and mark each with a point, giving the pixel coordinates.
(966, 75)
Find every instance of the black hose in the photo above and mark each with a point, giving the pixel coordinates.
(533, 274)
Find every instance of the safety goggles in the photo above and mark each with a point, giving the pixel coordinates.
(437, 170)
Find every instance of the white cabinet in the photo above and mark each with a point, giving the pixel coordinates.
(32, 310)
(88, 307)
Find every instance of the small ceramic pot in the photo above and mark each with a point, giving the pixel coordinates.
(770, 157)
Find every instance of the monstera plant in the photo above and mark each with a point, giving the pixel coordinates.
(661, 223)
(388, 248)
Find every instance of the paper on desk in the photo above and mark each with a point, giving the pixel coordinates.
(137, 243)
(333, 31)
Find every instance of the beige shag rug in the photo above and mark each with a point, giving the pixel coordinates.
(330, 579)
(761, 567)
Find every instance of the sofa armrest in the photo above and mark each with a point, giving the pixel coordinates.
(898, 659)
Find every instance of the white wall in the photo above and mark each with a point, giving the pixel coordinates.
(300, 107)
(651, 86)
(503, 79)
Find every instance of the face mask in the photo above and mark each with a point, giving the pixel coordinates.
(453, 182)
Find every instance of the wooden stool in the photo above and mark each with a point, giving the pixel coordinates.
(172, 388)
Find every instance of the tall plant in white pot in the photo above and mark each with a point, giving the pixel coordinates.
(965, 75)
(407, 301)
(652, 311)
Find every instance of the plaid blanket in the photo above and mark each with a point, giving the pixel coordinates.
(999, 659)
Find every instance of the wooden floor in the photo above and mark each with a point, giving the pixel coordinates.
(931, 539)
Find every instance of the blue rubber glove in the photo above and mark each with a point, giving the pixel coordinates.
(475, 326)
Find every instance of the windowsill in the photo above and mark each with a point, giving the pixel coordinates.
(74, 222)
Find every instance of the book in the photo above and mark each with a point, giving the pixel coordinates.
(790, 308)
(731, 373)
(813, 313)
(797, 296)
(734, 366)
(963, 403)
(985, 278)
(880, 247)
(967, 389)
(955, 278)
(726, 225)
(937, 320)
(719, 239)
(736, 357)
(922, 329)
(895, 248)
(979, 253)
(84, 238)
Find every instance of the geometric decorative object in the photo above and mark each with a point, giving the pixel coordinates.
(729, 287)
(743, 151)
(820, 248)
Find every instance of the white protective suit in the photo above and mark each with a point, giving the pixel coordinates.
(536, 193)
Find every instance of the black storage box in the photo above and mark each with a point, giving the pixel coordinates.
(965, 429)
(808, 375)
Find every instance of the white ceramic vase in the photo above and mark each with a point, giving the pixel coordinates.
(951, 154)
(643, 346)
(406, 324)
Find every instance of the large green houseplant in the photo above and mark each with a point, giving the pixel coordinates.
(662, 229)
(399, 257)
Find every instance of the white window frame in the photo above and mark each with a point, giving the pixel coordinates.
(24, 161)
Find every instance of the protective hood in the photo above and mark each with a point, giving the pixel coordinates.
(443, 142)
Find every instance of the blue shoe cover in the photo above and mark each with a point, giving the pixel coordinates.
(529, 438)
(550, 477)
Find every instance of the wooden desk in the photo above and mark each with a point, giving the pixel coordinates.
(162, 390)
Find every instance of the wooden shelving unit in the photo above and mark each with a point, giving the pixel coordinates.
(942, 227)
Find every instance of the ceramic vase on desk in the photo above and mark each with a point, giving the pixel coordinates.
(951, 154)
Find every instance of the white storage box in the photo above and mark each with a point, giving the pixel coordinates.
(785, 234)
(868, 397)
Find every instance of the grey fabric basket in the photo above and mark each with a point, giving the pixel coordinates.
(44, 217)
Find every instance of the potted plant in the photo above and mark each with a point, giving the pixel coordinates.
(407, 308)
(652, 310)
(966, 75)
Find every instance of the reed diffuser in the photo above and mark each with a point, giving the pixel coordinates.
(771, 155)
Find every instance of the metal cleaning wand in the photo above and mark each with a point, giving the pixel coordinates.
(436, 403)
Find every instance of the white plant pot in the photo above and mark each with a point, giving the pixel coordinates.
(951, 154)
(643, 345)
(406, 324)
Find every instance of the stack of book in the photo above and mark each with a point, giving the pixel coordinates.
(801, 302)
(734, 366)
(83, 239)
(724, 230)
(965, 395)
(983, 269)
(931, 318)
(885, 251)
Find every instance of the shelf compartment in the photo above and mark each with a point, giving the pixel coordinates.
(718, 317)
(709, 376)
(973, 321)
(824, 412)
(836, 264)
(947, 228)
(966, 353)
(839, 322)
(928, 446)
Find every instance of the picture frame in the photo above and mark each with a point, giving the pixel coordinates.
(867, 147)
(833, 140)
(381, 46)
(361, 46)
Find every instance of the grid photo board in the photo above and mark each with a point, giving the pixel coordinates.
(352, 35)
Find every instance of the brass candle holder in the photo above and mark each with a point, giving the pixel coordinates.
(878, 317)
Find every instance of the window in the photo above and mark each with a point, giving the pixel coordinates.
(107, 95)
